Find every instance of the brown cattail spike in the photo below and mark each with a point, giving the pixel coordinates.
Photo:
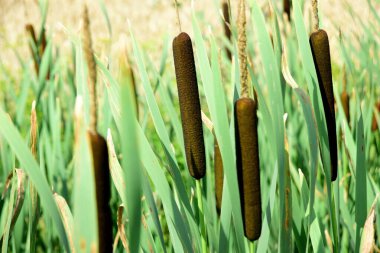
(189, 105)
(91, 64)
(219, 174)
(227, 28)
(320, 48)
(103, 191)
(345, 98)
(374, 125)
(287, 5)
(32, 44)
(248, 165)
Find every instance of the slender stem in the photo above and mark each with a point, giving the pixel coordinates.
(252, 247)
(178, 19)
(315, 15)
(242, 44)
(201, 216)
(91, 66)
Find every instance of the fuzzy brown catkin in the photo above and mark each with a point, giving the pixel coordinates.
(248, 166)
(374, 125)
(103, 190)
(242, 45)
(345, 98)
(189, 105)
(91, 65)
(320, 48)
(219, 174)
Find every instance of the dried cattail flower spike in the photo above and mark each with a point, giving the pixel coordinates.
(345, 98)
(374, 125)
(99, 150)
(189, 105)
(219, 174)
(320, 48)
(248, 165)
(227, 28)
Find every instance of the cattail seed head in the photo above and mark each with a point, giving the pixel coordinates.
(374, 125)
(219, 174)
(287, 5)
(189, 105)
(320, 48)
(345, 98)
(103, 190)
(248, 166)
(33, 43)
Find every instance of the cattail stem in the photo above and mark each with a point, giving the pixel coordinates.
(242, 45)
(178, 18)
(201, 215)
(89, 54)
(315, 15)
(227, 25)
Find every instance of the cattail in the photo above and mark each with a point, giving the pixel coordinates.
(287, 5)
(103, 190)
(219, 174)
(99, 150)
(33, 43)
(189, 105)
(227, 28)
(374, 125)
(319, 43)
(345, 98)
(247, 162)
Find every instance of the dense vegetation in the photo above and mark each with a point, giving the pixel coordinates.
(64, 118)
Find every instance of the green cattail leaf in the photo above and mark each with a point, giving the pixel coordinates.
(178, 234)
(67, 218)
(131, 166)
(215, 98)
(85, 215)
(13, 138)
(272, 78)
(361, 181)
(315, 97)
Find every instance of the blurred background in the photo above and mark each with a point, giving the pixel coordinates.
(151, 20)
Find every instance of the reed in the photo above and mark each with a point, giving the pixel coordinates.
(189, 105)
(99, 150)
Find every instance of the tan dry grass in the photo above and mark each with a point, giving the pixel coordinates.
(151, 21)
